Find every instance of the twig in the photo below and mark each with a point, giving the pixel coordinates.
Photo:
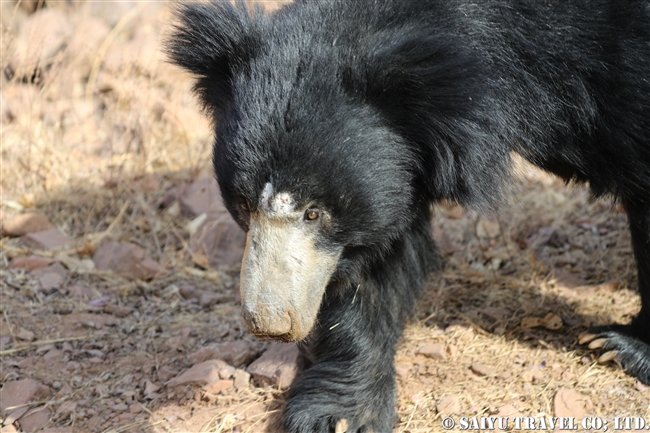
(411, 417)
(42, 343)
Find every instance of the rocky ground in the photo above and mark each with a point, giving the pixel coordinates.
(119, 289)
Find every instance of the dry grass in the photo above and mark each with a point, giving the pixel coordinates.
(109, 128)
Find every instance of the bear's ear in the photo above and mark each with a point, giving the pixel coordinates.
(423, 82)
(211, 40)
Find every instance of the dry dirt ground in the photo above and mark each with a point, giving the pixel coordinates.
(127, 275)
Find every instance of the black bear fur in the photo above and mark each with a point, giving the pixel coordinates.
(377, 108)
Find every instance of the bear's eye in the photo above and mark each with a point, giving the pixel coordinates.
(243, 205)
(312, 214)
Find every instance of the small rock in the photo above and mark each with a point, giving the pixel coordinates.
(165, 373)
(533, 374)
(96, 353)
(218, 386)
(19, 392)
(188, 291)
(448, 406)
(219, 239)
(45, 348)
(63, 389)
(187, 332)
(79, 291)
(127, 395)
(25, 335)
(9, 429)
(531, 322)
(432, 350)
(150, 387)
(30, 263)
(278, 366)
(570, 403)
(483, 370)
(200, 197)
(509, 411)
(227, 372)
(135, 408)
(126, 259)
(67, 408)
(242, 379)
(175, 343)
(118, 310)
(120, 407)
(497, 313)
(552, 321)
(15, 415)
(34, 421)
(235, 353)
(100, 390)
(209, 299)
(53, 356)
(204, 372)
(51, 278)
(46, 240)
(74, 264)
(21, 225)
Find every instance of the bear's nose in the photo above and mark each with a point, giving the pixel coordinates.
(263, 323)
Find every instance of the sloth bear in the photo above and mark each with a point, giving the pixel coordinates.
(339, 122)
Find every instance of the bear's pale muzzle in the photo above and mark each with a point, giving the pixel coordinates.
(283, 279)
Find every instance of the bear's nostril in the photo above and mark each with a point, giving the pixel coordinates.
(263, 323)
(279, 325)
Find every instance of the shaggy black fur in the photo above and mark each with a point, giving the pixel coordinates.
(375, 109)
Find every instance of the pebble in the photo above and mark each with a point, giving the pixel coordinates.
(21, 225)
(241, 379)
(34, 421)
(120, 407)
(227, 372)
(126, 259)
(25, 335)
(235, 353)
(432, 350)
(30, 263)
(205, 372)
(278, 366)
(218, 386)
(570, 403)
(483, 370)
(46, 240)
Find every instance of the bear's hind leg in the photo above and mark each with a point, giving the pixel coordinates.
(353, 345)
(630, 344)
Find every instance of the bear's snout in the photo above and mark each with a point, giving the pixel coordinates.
(264, 323)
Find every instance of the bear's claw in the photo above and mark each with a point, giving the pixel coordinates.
(607, 357)
(624, 344)
(586, 337)
(598, 343)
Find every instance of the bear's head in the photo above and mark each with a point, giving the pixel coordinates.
(309, 154)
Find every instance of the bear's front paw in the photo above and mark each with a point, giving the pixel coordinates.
(313, 420)
(305, 416)
(320, 405)
(624, 344)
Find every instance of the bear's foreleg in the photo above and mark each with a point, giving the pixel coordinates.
(353, 344)
(630, 344)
